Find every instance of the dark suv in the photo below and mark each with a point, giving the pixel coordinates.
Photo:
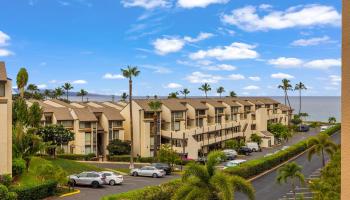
(163, 166)
(244, 150)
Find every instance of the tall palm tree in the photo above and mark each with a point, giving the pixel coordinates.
(291, 171)
(233, 94)
(332, 120)
(129, 73)
(81, 94)
(220, 90)
(124, 96)
(173, 95)
(155, 107)
(205, 88)
(321, 144)
(206, 182)
(185, 92)
(286, 86)
(58, 92)
(300, 86)
(67, 87)
(47, 93)
(22, 80)
(32, 88)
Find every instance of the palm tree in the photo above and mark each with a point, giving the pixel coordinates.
(300, 86)
(22, 80)
(291, 171)
(206, 182)
(81, 94)
(321, 144)
(185, 92)
(233, 94)
(332, 120)
(155, 107)
(47, 93)
(205, 88)
(286, 86)
(220, 90)
(173, 95)
(124, 96)
(58, 92)
(67, 87)
(129, 73)
(32, 88)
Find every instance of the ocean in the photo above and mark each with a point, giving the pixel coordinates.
(319, 108)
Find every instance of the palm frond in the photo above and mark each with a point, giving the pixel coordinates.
(223, 186)
(196, 170)
(241, 185)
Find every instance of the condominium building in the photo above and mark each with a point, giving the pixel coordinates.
(5, 121)
(196, 126)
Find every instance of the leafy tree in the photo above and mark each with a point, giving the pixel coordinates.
(173, 95)
(234, 144)
(220, 90)
(81, 94)
(124, 96)
(255, 138)
(168, 155)
(118, 147)
(47, 94)
(286, 86)
(19, 111)
(300, 86)
(291, 171)
(22, 80)
(321, 144)
(58, 92)
(205, 88)
(206, 182)
(67, 87)
(280, 131)
(296, 120)
(233, 94)
(34, 115)
(55, 135)
(155, 106)
(32, 88)
(185, 92)
(47, 172)
(332, 120)
(129, 73)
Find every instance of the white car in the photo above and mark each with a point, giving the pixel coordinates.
(234, 163)
(95, 179)
(253, 146)
(230, 154)
(148, 171)
(113, 178)
(323, 128)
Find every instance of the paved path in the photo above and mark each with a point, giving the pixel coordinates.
(266, 186)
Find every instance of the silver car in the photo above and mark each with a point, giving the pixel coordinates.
(113, 178)
(148, 171)
(95, 179)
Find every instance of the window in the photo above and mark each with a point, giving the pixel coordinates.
(219, 110)
(176, 126)
(84, 125)
(115, 124)
(201, 112)
(66, 123)
(253, 127)
(87, 143)
(199, 122)
(2, 89)
(178, 115)
(113, 134)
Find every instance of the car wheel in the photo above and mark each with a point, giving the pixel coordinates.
(111, 182)
(95, 184)
(134, 174)
(155, 175)
(72, 183)
(247, 154)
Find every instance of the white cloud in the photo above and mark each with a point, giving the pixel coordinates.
(146, 4)
(79, 82)
(173, 85)
(331, 88)
(5, 52)
(334, 79)
(4, 38)
(254, 78)
(247, 18)
(200, 37)
(236, 77)
(323, 63)
(284, 62)
(158, 69)
(199, 3)
(251, 87)
(234, 51)
(220, 67)
(282, 76)
(265, 6)
(113, 76)
(53, 81)
(311, 42)
(42, 86)
(199, 77)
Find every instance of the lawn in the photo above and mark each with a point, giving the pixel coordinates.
(70, 166)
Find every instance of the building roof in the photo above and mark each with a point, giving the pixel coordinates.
(266, 133)
(255, 101)
(243, 102)
(195, 103)
(143, 103)
(230, 102)
(267, 100)
(285, 108)
(3, 75)
(173, 104)
(60, 113)
(84, 115)
(110, 112)
(214, 103)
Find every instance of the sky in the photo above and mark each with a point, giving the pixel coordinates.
(245, 46)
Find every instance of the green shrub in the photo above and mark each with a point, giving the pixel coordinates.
(5, 194)
(76, 156)
(35, 192)
(126, 158)
(5, 180)
(18, 166)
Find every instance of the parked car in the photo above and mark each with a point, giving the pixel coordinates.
(234, 163)
(253, 146)
(202, 160)
(303, 128)
(245, 150)
(148, 171)
(164, 166)
(95, 179)
(113, 178)
(230, 154)
(323, 128)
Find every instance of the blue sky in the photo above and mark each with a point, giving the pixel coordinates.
(244, 46)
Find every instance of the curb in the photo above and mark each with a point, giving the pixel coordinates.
(69, 194)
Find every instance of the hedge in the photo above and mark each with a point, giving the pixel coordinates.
(76, 156)
(254, 167)
(35, 192)
(126, 158)
(164, 191)
(18, 166)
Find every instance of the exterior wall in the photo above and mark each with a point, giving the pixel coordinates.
(6, 130)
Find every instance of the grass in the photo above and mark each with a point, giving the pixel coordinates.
(69, 166)
(124, 170)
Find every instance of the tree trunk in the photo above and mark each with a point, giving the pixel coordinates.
(206, 96)
(285, 97)
(67, 94)
(288, 100)
(131, 127)
(299, 101)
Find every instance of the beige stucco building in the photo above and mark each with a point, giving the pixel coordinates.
(5, 121)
